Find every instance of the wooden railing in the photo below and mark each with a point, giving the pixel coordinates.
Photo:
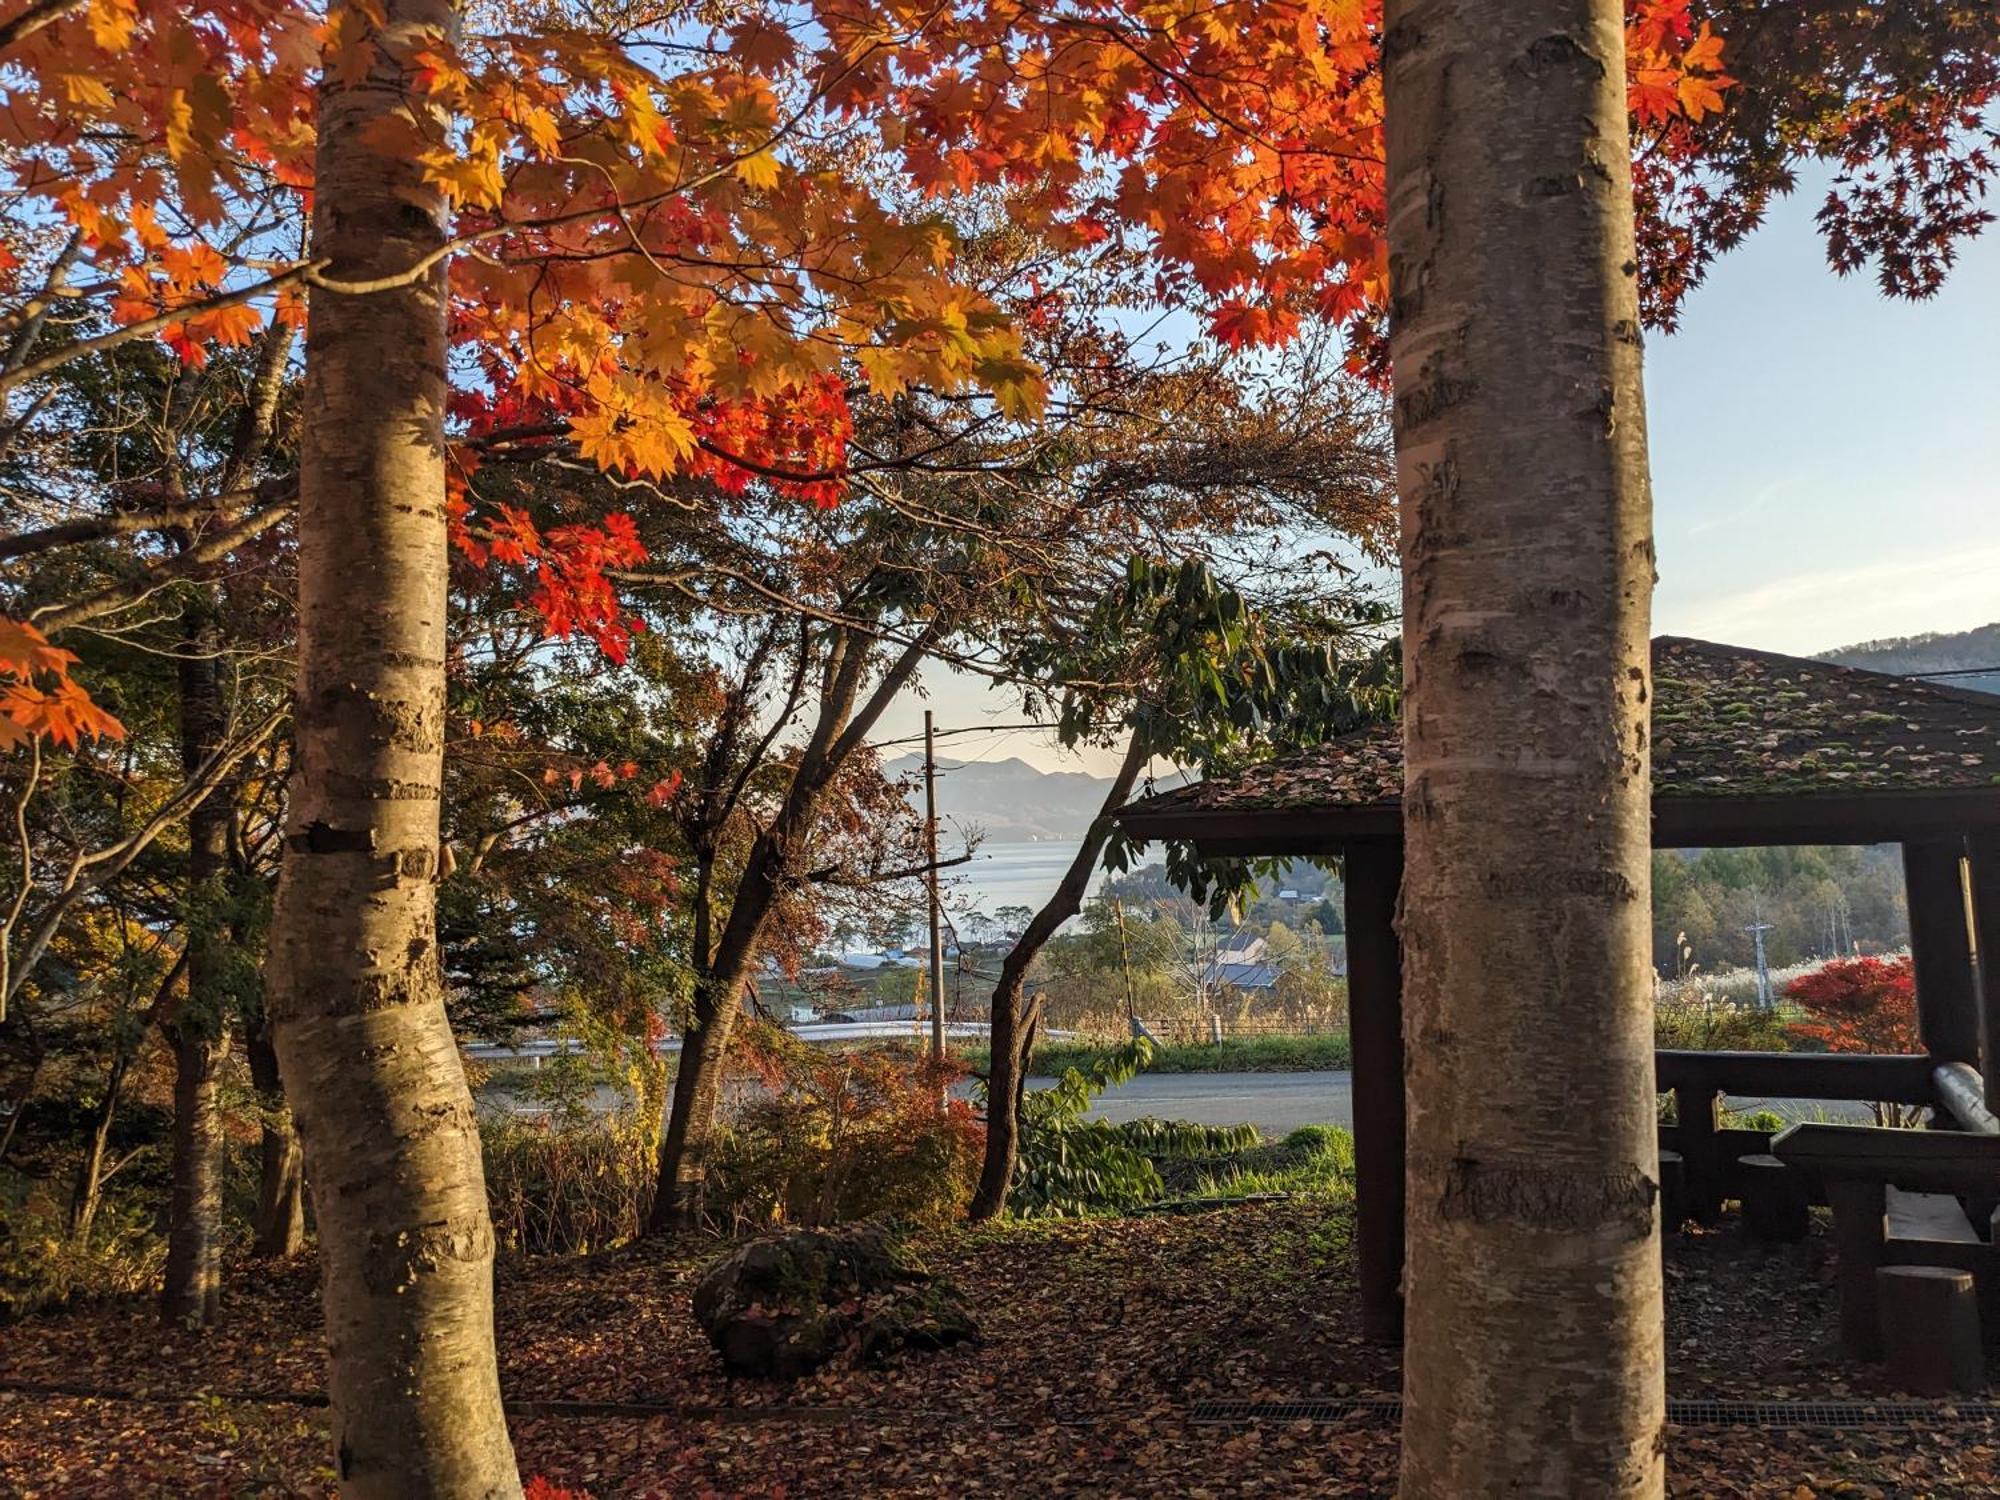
(1699, 1080)
(1892, 1078)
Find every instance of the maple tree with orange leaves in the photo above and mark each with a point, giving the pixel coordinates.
(709, 256)
(602, 180)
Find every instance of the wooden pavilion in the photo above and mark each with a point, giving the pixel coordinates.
(1749, 748)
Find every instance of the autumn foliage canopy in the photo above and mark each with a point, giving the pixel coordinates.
(688, 248)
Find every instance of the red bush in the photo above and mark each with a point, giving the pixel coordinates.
(1859, 1005)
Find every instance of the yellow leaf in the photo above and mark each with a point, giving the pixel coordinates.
(595, 433)
(83, 89)
(1016, 384)
(111, 23)
(760, 170)
(884, 369)
(659, 442)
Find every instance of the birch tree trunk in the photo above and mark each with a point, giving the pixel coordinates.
(355, 990)
(1013, 1028)
(1534, 1344)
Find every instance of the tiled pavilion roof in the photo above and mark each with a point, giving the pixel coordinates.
(1729, 724)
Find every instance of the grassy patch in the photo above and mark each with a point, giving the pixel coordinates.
(1314, 1161)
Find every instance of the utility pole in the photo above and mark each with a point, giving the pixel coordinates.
(1125, 963)
(931, 857)
(1757, 931)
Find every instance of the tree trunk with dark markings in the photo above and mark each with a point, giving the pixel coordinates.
(1534, 1342)
(356, 994)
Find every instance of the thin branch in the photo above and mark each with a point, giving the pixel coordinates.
(33, 19)
(124, 523)
(52, 618)
(91, 871)
(27, 871)
(125, 333)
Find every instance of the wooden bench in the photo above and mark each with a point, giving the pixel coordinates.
(1711, 1155)
(1898, 1198)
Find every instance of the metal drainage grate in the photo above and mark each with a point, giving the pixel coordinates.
(1331, 1409)
(1835, 1414)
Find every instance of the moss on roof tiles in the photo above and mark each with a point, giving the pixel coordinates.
(1726, 722)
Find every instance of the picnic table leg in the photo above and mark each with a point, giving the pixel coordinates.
(1859, 1209)
(1698, 1110)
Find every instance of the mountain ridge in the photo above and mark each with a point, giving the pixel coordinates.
(1010, 801)
(1930, 651)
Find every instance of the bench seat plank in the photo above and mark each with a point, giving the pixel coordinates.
(1936, 1217)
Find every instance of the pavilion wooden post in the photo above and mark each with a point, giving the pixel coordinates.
(1373, 875)
(1941, 946)
(1982, 853)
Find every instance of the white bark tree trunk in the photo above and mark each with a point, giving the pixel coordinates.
(1534, 1342)
(356, 995)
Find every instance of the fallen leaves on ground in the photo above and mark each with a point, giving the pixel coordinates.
(1099, 1335)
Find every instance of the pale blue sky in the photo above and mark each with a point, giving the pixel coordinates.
(1826, 462)
(1826, 465)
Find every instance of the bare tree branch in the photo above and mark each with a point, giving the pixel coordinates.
(90, 870)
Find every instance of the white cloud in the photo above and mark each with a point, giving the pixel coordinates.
(1829, 607)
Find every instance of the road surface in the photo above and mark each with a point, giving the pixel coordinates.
(1277, 1103)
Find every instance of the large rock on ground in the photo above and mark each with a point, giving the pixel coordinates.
(785, 1304)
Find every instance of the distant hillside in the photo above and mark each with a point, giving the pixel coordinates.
(1935, 652)
(1009, 799)
(1013, 802)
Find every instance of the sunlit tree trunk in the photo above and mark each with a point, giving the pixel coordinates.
(88, 1192)
(1533, 1358)
(1013, 1025)
(355, 989)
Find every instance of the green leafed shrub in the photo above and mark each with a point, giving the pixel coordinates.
(1328, 1143)
(1070, 1166)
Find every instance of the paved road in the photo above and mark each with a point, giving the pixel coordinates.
(1280, 1102)
(1274, 1102)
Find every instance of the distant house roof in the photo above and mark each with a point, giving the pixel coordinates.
(1244, 976)
(1748, 746)
(1248, 953)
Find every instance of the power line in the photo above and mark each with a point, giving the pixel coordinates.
(918, 739)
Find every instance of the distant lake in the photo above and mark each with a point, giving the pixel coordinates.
(1018, 874)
